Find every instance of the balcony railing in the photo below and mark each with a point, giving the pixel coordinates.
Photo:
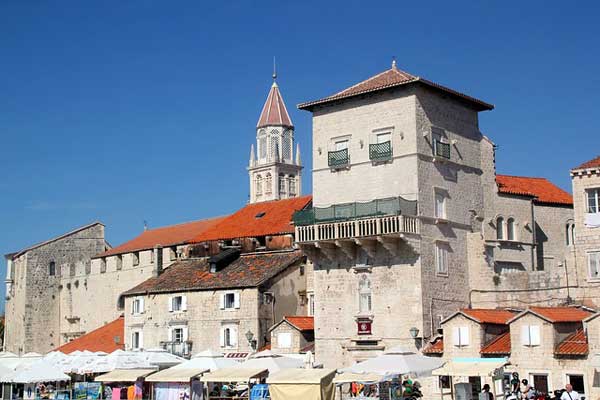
(181, 349)
(380, 151)
(442, 149)
(364, 227)
(339, 158)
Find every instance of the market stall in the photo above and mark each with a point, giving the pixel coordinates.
(233, 382)
(483, 368)
(270, 361)
(125, 384)
(302, 384)
(37, 380)
(177, 383)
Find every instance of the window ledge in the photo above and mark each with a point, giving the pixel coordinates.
(440, 221)
(442, 274)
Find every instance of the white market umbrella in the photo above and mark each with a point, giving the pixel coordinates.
(397, 361)
(268, 360)
(118, 359)
(74, 363)
(161, 357)
(39, 371)
(207, 360)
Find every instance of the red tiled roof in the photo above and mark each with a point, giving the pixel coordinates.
(249, 270)
(302, 323)
(541, 189)
(257, 219)
(101, 339)
(390, 78)
(274, 112)
(497, 346)
(489, 316)
(437, 347)
(574, 345)
(561, 314)
(164, 236)
(595, 163)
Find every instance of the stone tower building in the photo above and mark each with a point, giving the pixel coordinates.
(275, 171)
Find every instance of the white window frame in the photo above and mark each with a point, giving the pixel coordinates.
(182, 304)
(440, 211)
(441, 258)
(287, 343)
(137, 306)
(233, 336)
(236, 301)
(531, 335)
(282, 184)
(514, 237)
(259, 184)
(500, 223)
(340, 144)
(140, 339)
(570, 233)
(595, 197)
(567, 378)
(461, 336)
(593, 255)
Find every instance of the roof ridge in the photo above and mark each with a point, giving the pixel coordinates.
(363, 82)
(184, 223)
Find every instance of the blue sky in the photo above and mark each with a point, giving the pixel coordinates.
(145, 110)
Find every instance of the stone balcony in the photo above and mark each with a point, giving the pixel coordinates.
(181, 349)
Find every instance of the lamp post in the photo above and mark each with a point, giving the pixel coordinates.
(251, 340)
(414, 333)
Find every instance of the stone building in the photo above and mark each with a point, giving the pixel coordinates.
(410, 221)
(275, 172)
(294, 334)
(548, 346)
(38, 278)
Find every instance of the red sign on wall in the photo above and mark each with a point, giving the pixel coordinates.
(364, 326)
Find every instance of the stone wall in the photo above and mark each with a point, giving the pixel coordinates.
(298, 341)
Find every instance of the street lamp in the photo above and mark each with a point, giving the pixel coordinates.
(414, 332)
(250, 338)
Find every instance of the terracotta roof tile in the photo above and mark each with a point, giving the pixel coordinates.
(164, 236)
(561, 314)
(302, 323)
(594, 163)
(573, 345)
(500, 345)
(391, 78)
(274, 112)
(541, 189)
(489, 316)
(257, 219)
(249, 270)
(101, 339)
(437, 347)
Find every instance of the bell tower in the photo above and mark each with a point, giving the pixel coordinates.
(274, 169)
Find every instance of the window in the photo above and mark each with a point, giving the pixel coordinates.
(258, 184)
(262, 144)
(119, 260)
(135, 257)
(72, 269)
(530, 335)
(152, 256)
(284, 340)
(510, 229)
(177, 335)
(341, 145)
(229, 336)
(292, 185)
(364, 295)
(441, 148)
(380, 148)
(311, 304)
(577, 381)
(275, 144)
(137, 340)
(230, 301)
(594, 265)
(440, 204)
(441, 258)
(383, 137)
(282, 183)
(287, 144)
(460, 336)
(137, 306)
(178, 303)
(540, 382)
(173, 253)
(500, 228)
(52, 268)
(593, 200)
(339, 156)
(570, 233)
(268, 184)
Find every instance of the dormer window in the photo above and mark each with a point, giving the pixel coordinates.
(460, 336)
(530, 335)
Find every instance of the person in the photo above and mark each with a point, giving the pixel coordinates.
(486, 394)
(569, 393)
(528, 391)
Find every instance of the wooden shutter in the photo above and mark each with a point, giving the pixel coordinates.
(534, 334)
(233, 329)
(142, 309)
(456, 336)
(222, 301)
(525, 341)
(236, 300)
(465, 339)
(170, 304)
(183, 303)
(170, 334)
(185, 333)
(222, 335)
(141, 339)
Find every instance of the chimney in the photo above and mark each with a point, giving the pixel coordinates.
(158, 260)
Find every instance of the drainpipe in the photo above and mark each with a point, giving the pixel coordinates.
(534, 237)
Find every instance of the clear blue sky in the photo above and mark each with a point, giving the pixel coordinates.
(145, 110)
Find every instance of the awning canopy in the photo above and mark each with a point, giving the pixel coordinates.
(347, 377)
(124, 375)
(234, 375)
(296, 376)
(464, 367)
(176, 375)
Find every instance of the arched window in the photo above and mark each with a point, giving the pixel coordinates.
(274, 144)
(52, 268)
(281, 184)
(364, 295)
(510, 229)
(262, 144)
(227, 337)
(570, 233)
(287, 144)
(500, 228)
(292, 185)
(268, 183)
(258, 184)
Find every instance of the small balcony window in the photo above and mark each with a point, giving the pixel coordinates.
(339, 158)
(441, 149)
(380, 151)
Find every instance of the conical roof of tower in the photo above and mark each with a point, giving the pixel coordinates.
(274, 112)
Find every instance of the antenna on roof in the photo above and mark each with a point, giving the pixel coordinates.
(393, 62)
(274, 69)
